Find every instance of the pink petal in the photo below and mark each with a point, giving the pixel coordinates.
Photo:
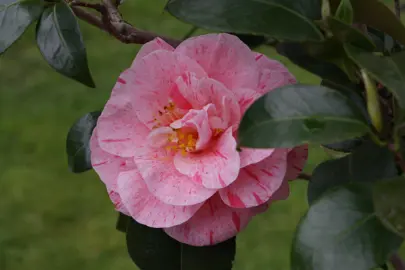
(146, 208)
(273, 74)
(257, 183)
(224, 57)
(154, 87)
(296, 160)
(251, 156)
(200, 92)
(166, 183)
(107, 166)
(213, 223)
(214, 168)
(116, 200)
(159, 137)
(282, 193)
(246, 97)
(150, 47)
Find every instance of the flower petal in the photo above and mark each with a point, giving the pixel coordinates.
(273, 74)
(165, 182)
(146, 208)
(251, 156)
(296, 160)
(213, 223)
(150, 47)
(116, 200)
(107, 166)
(154, 85)
(257, 183)
(213, 168)
(224, 57)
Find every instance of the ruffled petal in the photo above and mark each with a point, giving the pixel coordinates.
(214, 168)
(296, 160)
(150, 47)
(146, 208)
(251, 156)
(213, 223)
(224, 57)
(257, 183)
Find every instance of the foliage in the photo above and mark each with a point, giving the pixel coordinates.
(356, 214)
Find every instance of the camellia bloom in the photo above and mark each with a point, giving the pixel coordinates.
(165, 143)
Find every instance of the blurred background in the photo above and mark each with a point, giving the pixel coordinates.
(53, 219)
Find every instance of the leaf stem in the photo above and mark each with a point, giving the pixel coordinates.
(305, 176)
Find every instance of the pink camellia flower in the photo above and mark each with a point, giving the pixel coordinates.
(165, 143)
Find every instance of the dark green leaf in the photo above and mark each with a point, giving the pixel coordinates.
(346, 146)
(277, 18)
(376, 14)
(122, 222)
(61, 44)
(251, 40)
(344, 12)
(341, 232)
(367, 163)
(77, 143)
(390, 71)
(298, 54)
(348, 34)
(153, 249)
(384, 43)
(299, 114)
(389, 202)
(15, 17)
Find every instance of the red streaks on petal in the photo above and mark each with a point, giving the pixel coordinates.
(236, 221)
(116, 140)
(211, 237)
(252, 175)
(235, 201)
(258, 57)
(257, 198)
(297, 167)
(121, 80)
(219, 154)
(99, 164)
(197, 178)
(221, 181)
(267, 172)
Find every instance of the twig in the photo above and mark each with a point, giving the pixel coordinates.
(397, 262)
(397, 8)
(305, 176)
(111, 22)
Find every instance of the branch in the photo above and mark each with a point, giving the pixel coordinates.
(305, 176)
(397, 262)
(111, 22)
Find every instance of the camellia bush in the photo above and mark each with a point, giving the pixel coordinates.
(200, 135)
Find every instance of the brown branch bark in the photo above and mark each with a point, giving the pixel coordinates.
(397, 262)
(112, 22)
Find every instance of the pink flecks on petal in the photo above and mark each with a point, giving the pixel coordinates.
(107, 166)
(206, 228)
(258, 182)
(224, 57)
(150, 47)
(116, 200)
(296, 160)
(154, 87)
(273, 74)
(166, 183)
(246, 97)
(146, 208)
(218, 165)
(251, 156)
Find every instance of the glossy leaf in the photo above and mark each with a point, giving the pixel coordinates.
(389, 201)
(367, 163)
(61, 44)
(341, 231)
(390, 71)
(344, 12)
(376, 14)
(277, 18)
(15, 17)
(153, 249)
(348, 34)
(345, 146)
(77, 143)
(299, 114)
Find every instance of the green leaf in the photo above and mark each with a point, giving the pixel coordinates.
(390, 71)
(367, 163)
(15, 17)
(348, 34)
(61, 44)
(122, 222)
(77, 143)
(300, 114)
(277, 18)
(251, 40)
(153, 249)
(389, 202)
(341, 231)
(376, 14)
(344, 12)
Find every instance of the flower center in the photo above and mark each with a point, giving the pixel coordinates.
(182, 141)
(167, 115)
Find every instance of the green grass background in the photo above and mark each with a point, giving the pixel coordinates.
(51, 219)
